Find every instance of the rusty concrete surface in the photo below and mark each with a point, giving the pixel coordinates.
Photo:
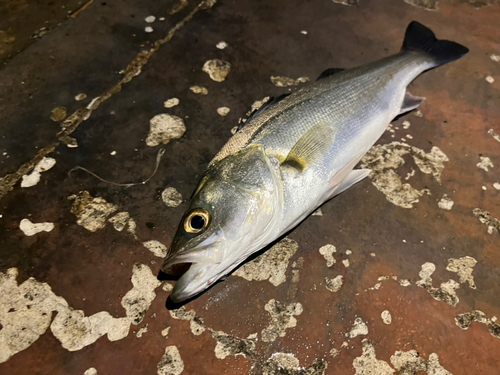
(239, 326)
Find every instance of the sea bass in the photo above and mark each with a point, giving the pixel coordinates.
(292, 155)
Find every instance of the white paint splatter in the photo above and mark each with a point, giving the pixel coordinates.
(406, 125)
(358, 328)
(335, 284)
(156, 247)
(141, 331)
(222, 45)
(386, 317)
(484, 217)
(445, 203)
(165, 331)
(465, 320)
(271, 265)
(171, 362)
(223, 111)
(347, 2)
(34, 177)
(368, 364)
(327, 252)
(287, 363)
(81, 96)
(90, 371)
(463, 267)
(282, 318)
(485, 163)
(148, 29)
(410, 362)
(171, 197)
(137, 300)
(383, 160)
(496, 185)
(150, 19)
(286, 82)
(30, 229)
(490, 79)
(334, 352)
(91, 212)
(217, 69)
(163, 128)
(345, 262)
(494, 57)
(446, 292)
(171, 103)
(304, 32)
(199, 90)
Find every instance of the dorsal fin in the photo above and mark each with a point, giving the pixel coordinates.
(272, 101)
(329, 72)
(310, 147)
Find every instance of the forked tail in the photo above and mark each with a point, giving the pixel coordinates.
(421, 39)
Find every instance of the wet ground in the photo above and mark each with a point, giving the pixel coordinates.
(400, 274)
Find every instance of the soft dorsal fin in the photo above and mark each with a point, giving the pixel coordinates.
(272, 101)
(410, 102)
(310, 147)
(329, 72)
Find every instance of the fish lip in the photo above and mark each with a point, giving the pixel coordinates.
(188, 287)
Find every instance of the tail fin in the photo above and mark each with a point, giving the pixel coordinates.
(420, 38)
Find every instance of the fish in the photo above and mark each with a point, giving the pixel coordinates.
(292, 155)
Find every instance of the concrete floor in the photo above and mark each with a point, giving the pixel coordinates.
(401, 274)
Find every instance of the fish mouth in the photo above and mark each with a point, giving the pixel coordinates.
(175, 269)
(192, 282)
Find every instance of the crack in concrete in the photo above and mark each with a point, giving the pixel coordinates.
(133, 69)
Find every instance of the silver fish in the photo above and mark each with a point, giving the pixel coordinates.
(291, 156)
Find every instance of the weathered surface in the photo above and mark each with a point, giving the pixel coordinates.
(84, 296)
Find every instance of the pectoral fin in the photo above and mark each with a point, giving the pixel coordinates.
(410, 102)
(310, 147)
(352, 178)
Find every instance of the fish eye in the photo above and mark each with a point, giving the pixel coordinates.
(196, 221)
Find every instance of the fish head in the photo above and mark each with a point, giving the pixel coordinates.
(230, 216)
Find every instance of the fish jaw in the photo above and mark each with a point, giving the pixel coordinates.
(196, 279)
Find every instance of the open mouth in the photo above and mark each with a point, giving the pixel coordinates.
(176, 269)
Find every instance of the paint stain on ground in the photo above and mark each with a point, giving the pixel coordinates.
(386, 317)
(91, 213)
(286, 82)
(199, 90)
(271, 265)
(123, 220)
(223, 111)
(465, 320)
(383, 160)
(445, 203)
(217, 69)
(171, 103)
(287, 363)
(171, 197)
(358, 328)
(491, 132)
(485, 163)
(425, 4)
(58, 114)
(163, 128)
(30, 229)
(156, 247)
(177, 7)
(138, 299)
(171, 362)
(463, 267)
(335, 284)
(327, 252)
(368, 364)
(410, 362)
(230, 345)
(484, 217)
(81, 96)
(446, 292)
(282, 318)
(34, 177)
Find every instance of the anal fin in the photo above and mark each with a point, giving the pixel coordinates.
(310, 147)
(410, 102)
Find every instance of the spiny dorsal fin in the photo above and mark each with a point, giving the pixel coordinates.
(310, 147)
(410, 102)
(329, 72)
(263, 108)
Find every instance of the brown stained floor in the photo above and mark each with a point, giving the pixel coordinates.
(92, 271)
